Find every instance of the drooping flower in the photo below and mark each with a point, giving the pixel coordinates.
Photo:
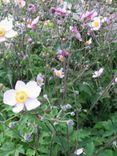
(88, 16)
(20, 3)
(40, 79)
(79, 151)
(95, 24)
(24, 96)
(59, 73)
(32, 23)
(59, 11)
(62, 54)
(98, 73)
(6, 29)
(76, 33)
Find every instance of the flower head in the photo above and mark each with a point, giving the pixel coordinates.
(23, 96)
(40, 79)
(62, 54)
(20, 3)
(6, 1)
(32, 23)
(59, 11)
(89, 15)
(6, 30)
(98, 73)
(95, 24)
(59, 73)
(32, 8)
(76, 33)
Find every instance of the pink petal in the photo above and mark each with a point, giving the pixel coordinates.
(20, 85)
(18, 108)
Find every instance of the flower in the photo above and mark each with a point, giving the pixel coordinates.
(32, 8)
(20, 3)
(70, 122)
(76, 33)
(95, 24)
(79, 151)
(32, 23)
(40, 79)
(62, 54)
(89, 15)
(59, 11)
(6, 30)
(23, 96)
(59, 73)
(98, 73)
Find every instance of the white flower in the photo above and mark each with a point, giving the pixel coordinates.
(59, 73)
(23, 96)
(6, 30)
(98, 73)
(95, 24)
(79, 151)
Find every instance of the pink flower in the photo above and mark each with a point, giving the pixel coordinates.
(89, 15)
(76, 33)
(59, 11)
(32, 23)
(32, 8)
(24, 96)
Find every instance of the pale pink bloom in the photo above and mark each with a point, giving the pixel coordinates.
(76, 33)
(40, 79)
(32, 23)
(109, 1)
(20, 3)
(89, 15)
(58, 73)
(6, 1)
(6, 29)
(98, 73)
(24, 96)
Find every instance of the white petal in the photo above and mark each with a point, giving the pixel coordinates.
(9, 97)
(79, 151)
(20, 85)
(32, 104)
(7, 24)
(18, 108)
(32, 89)
(2, 39)
(11, 34)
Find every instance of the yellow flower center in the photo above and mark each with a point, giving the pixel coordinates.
(58, 73)
(96, 24)
(61, 58)
(2, 32)
(21, 96)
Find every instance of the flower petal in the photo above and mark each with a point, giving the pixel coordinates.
(9, 97)
(11, 34)
(2, 39)
(18, 108)
(7, 24)
(32, 89)
(32, 104)
(20, 85)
